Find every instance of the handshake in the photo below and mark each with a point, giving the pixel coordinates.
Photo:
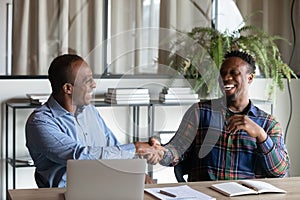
(151, 150)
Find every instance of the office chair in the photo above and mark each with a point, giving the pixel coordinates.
(181, 169)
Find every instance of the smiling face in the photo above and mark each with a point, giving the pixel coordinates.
(235, 78)
(84, 83)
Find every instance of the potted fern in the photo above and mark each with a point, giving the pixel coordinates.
(212, 44)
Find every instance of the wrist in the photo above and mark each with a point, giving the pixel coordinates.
(262, 136)
(140, 147)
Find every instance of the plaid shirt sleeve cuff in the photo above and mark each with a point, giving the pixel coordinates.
(266, 146)
(170, 157)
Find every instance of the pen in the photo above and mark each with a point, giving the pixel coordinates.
(167, 193)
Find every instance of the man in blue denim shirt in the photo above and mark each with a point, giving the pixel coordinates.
(67, 126)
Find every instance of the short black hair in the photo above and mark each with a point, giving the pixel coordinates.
(60, 71)
(244, 56)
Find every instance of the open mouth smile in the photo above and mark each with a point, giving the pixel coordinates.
(228, 87)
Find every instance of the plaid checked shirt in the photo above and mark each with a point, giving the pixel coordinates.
(216, 154)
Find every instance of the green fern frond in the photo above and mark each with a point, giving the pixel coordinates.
(250, 39)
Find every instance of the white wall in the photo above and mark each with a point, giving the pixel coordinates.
(165, 119)
(281, 112)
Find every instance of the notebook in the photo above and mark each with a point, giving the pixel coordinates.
(105, 179)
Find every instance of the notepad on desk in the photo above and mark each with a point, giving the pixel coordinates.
(245, 187)
(178, 192)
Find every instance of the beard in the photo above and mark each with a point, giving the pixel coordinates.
(231, 97)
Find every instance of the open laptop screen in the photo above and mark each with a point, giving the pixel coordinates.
(105, 179)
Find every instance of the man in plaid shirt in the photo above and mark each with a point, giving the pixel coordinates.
(229, 138)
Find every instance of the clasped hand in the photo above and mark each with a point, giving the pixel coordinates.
(243, 122)
(152, 150)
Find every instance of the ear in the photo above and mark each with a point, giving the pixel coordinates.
(68, 88)
(250, 78)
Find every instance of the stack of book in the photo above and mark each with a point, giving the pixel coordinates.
(127, 96)
(38, 98)
(98, 98)
(178, 95)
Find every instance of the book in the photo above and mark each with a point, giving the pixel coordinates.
(38, 101)
(245, 187)
(178, 192)
(178, 96)
(133, 101)
(166, 101)
(128, 91)
(126, 96)
(177, 90)
(98, 98)
(38, 96)
(27, 160)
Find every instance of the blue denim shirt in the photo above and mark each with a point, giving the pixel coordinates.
(54, 135)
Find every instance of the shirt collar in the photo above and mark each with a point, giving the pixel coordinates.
(79, 110)
(56, 108)
(252, 111)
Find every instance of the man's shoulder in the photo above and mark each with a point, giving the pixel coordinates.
(41, 113)
(261, 117)
(258, 112)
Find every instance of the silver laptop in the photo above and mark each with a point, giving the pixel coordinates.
(105, 179)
